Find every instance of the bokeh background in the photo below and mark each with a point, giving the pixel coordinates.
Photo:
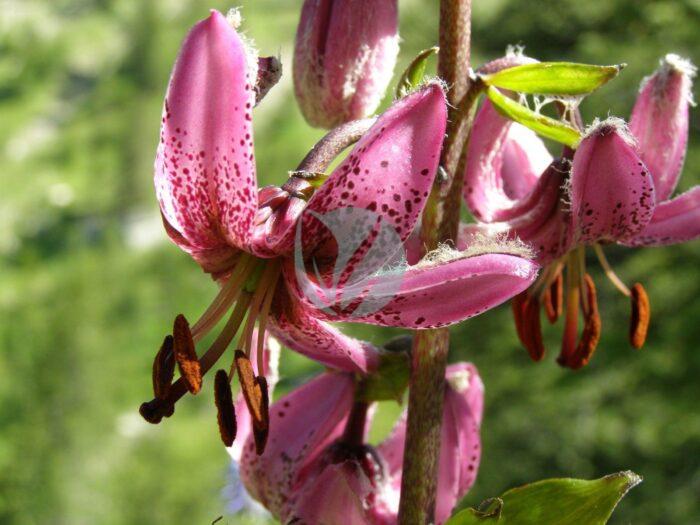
(89, 282)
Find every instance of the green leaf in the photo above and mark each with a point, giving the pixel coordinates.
(553, 78)
(414, 73)
(389, 381)
(545, 126)
(553, 502)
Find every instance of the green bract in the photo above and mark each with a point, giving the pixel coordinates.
(541, 124)
(553, 78)
(553, 502)
(414, 73)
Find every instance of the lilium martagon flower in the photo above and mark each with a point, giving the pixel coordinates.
(319, 468)
(246, 237)
(615, 188)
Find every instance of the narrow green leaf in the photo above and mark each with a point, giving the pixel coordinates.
(553, 78)
(414, 73)
(553, 502)
(542, 124)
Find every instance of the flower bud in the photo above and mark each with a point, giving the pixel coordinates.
(659, 121)
(344, 58)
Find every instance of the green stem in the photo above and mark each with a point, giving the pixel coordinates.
(440, 224)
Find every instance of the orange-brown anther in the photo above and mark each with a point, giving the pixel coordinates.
(186, 355)
(591, 328)
(226, 414)
(641, 313)
(262, 429)
(532, 329)
(518, 304)
(163, 369)
(554, 299)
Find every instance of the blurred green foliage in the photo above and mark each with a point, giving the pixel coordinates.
(89, 284)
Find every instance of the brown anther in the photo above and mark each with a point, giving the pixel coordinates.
(518, 304)
(554, 299)
(641, 313)
(155, 410)
(532, 329)
(226, 414)
(249, 386)
(163, 369)
(186, 355)
(591, 328)
(262, 429)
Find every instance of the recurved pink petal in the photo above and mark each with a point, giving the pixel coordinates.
(673, 222)
(297, 328)
(612, 192)
(504, 162)
(449, 289)
(204, 169)
(660, 122)
(391, 169)
(302, 424)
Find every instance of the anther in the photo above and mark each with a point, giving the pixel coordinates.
(262, 429)
(186, 355)
(641, 313)
(554, 299)
(163, 369)
(249, 386)
(533, 329)
(226, 414)
(518, 304)
(591, 328)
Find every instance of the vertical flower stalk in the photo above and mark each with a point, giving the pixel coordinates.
(440, 224)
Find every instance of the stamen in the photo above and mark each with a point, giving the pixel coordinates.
(526, 311)
(518, 304)
(609, 272)
(163, 369)
(263, 287)
(226, 296)
(261, 430)
(256, 397)
(226, 414)
(185, 354)
(569, 336)
(641, 314)
(533, 329)
(153, 411)
(554, 298)
(591, 329)
(262, 325)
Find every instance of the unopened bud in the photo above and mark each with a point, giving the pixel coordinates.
(344, 58)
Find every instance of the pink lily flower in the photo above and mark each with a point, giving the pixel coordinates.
(344, 58)
(616, 187)
(212, 209)
(329, 475)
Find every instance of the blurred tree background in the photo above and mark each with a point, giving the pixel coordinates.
(89, 282)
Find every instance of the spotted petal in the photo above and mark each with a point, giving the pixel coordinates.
(612, 192)
(674, 221)
(302, 424)
(391, 169)
(660, 122)
(204, 169)
(297, 327)
(437, 293)
(504, 162)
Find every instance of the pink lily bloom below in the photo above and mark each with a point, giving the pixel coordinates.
(319, 470)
